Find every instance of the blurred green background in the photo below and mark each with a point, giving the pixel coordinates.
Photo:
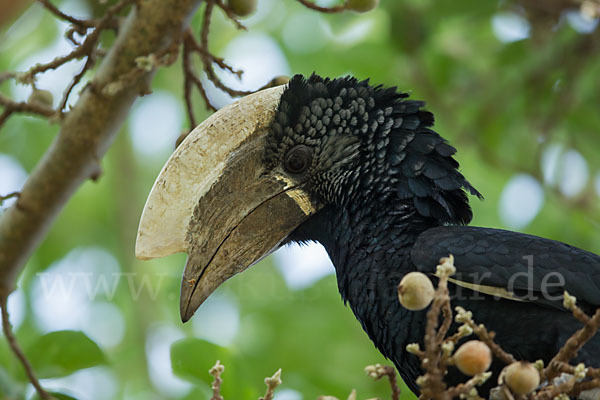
(514, 86)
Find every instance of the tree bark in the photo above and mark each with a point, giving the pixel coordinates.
(11, 9)
(88, 130)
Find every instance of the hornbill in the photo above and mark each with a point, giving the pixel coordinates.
(359, 169)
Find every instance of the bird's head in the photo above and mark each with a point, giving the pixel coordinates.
(253, 172)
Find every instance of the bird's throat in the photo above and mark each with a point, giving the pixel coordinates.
(369, 250)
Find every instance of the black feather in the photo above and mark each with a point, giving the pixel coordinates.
(394, 202)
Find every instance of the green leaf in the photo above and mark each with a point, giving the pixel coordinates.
(8, 386)
(192, 358)
(63, 352)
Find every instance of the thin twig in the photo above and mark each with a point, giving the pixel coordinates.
(230, 14)
(447, 313)
(78, 52)
(583, 386)
(6, 75)
(393, 383)
(468, 386)
(70, 35)
(86, 49)
(191, 80)
(216, 372)
(205, 53)
(433, 381)
(192, 45)
(9, 196)
(573, 344)
(313, 6)
(89, 47)
(11, 106)
(378, 371)
(207, 61)
(16, 349)
(565, 368)
(187, 83)
(485, 336)
(570, 303)
(89, 62)
(80, 23)
(550, 392)
(272, 384)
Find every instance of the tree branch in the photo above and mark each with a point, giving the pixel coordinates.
(80, 23)
(88, 130)
(11, 106)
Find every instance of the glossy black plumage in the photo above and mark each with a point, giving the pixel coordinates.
(394, 202)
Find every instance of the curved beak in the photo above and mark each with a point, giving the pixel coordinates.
(215, 201)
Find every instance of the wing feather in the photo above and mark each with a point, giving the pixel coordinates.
(532, 268)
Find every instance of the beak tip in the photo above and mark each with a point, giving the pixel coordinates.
(185, 311)
(186, 306)
(185, 318)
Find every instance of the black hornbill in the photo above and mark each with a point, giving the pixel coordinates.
(359, 169)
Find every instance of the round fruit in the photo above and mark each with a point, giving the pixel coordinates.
(361, 5)
(473, 357)
(521, 377)
(415, 291)
(242, 8)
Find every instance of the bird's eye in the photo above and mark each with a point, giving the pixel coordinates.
(298, 159)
